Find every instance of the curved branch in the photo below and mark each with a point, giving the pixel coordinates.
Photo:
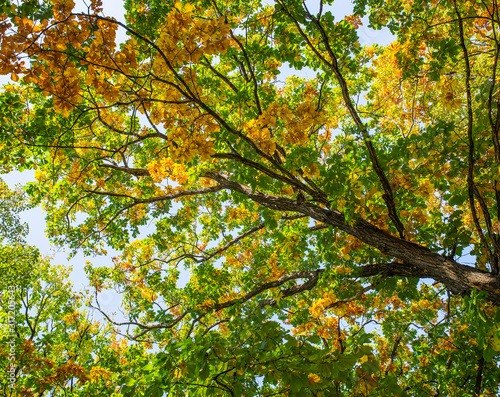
(312, 277)
(356, 296)
(146, 328)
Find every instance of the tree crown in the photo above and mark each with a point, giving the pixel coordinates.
(305, 210)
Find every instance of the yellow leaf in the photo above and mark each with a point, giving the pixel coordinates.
(313, 379)
(482, 260)
(339, 310)
(494, 338)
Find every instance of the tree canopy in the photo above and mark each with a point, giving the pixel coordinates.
(336, 235)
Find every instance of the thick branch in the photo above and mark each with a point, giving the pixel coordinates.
(391, 269)
(458, 278)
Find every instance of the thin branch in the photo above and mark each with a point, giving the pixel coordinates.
(479, 377)
(219, 74)
(172, 196)
(388, 196)
(312, 277)
(240, 237)
(132, 171)
(472, 188)
(357, 295)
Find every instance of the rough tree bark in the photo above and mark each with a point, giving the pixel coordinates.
(418, 261)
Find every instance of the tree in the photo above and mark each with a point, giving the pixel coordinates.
(49, 342)
(325, 223)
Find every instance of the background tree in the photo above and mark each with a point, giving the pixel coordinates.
(50, 345)
(305, 211)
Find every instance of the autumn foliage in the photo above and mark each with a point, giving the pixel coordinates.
(329, 235)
